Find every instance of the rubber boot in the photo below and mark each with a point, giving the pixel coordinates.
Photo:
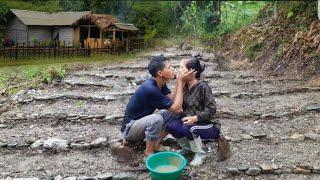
(196, 147)
(185, 146)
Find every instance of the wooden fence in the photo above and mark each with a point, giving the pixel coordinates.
(61, 49)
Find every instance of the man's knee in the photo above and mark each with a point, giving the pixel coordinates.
(156, 121)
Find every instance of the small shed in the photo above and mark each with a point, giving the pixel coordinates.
(100, 30)
(24, 26)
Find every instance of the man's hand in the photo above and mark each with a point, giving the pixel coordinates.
(186, 75)
(189, 120)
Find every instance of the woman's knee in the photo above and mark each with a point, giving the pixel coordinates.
(186, 131)
(175, 129)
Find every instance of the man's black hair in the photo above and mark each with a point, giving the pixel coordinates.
(156, 64)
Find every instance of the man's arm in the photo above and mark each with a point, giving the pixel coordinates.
(173, 95)
(176, 107)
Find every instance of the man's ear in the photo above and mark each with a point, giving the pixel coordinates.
(159, 73)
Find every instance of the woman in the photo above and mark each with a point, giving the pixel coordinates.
(198, 109)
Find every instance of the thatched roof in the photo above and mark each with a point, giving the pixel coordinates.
(102, 21)
(126, 27)
(37, 18)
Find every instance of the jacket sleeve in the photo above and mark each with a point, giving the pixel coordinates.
(209, 104)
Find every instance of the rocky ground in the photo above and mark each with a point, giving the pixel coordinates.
(64, 130)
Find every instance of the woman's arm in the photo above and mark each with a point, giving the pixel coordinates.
(209, 105)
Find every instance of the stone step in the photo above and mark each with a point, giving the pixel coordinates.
(25, 134)
(296, 129)
(73, 163)
(66, 110)
(259, 90)
(56, 94)
(299, 129)
(251, 157)
(102, 94)
(270, 106)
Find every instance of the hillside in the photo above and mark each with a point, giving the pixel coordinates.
(286, 44)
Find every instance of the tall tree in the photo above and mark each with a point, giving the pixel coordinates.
(3, 11)
(318, 9)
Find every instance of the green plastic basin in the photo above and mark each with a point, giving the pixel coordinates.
(166, 165)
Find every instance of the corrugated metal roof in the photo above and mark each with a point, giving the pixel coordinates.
(37, 18)
(128, 27)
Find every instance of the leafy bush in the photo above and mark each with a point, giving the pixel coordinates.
(54, 74)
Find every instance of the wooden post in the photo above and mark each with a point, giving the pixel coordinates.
(318, 9)
(101, 38)
(114, 34)
(89, 32)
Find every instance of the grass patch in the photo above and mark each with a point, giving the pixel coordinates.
(20, 74)
(253, 51)
(50, 6)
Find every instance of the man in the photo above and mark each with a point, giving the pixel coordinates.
(140, 122)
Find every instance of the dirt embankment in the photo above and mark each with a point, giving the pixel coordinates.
(287, 43)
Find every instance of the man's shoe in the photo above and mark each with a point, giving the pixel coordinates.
(224, 151)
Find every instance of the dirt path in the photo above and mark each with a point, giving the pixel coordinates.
(272, 123)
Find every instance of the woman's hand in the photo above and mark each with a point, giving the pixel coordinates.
(189, 120)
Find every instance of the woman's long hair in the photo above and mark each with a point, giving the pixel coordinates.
(194, 63)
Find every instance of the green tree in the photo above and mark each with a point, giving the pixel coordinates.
(3, 11)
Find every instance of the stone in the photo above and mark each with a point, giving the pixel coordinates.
(70, 178)
(124, 176)
(299, 170)
(228, 138)
(315, 169)
(13, 144)
(240, 95)
(86, 178)
(268, 168)
(3, 144)
(101, 141)
(312, 136)
(3, 126)
(257, 113)
(308, 167)
(258, 135)
(113, 119)
(59, 177)
(282, 171)
(268, 116)
(297, 137)
(220, 93)
(243, 168)
(55, 143)
(232, 171)
(32, 178)
(37, 144)
(79, 145)
(253, 171)
(235, 139)
(245, 136)
(104, 176)
(313, 107)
